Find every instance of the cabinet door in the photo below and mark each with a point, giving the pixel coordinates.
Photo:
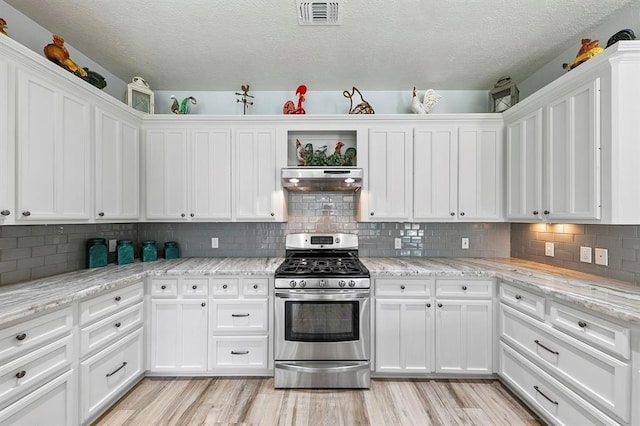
(117, 167)
(166, 172)
(480, 165)
(179, 335)
(210, 174)
(7, 145)
(257, 175)
(572, 178)
(524, 168)
(435, 174)
(404, 336)
(54, 149)
(389, 174)
(464, 336)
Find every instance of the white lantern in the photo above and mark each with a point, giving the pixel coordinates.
(139, 95)
(504, 95)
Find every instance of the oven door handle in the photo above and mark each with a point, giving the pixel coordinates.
(322, 296)
(343, 368)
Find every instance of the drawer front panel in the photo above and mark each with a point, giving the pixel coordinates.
(194, 287)
(524, 301)
(399, 288)
(555, 401)
(239, 352)
(108, 372)
(244, 315)
(163, 287)
(30, 334)
(255, 287)
(224, 287)
(461, 289)
(110, 329)
(597, 331)
(604, 379)
(106, 304)
(28, 371)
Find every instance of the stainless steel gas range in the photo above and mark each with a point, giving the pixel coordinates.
(322, 322)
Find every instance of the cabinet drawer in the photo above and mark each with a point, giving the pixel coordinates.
(524, 301)
(255, 287)
(110, 329)
(109, 372)
(464, 288)
(108, 303)
(395, 288)
(549, 397)
(194, 287)
(243, 315)
(24, 373)
(30, 334)
(224, 287)
(163, 287)
(239, 352)
(605, 380)
(594, 330)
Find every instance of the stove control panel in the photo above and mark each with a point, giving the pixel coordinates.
(323, 283)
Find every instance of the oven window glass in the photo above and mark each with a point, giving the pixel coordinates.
(322, 321)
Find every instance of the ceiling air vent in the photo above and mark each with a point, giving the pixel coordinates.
(319, 12)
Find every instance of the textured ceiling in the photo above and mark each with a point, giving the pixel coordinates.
(381, 45)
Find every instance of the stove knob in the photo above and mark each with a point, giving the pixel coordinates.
(292, 283)
(352, 283)
(341, 283)
(303, 283)
(322, 283)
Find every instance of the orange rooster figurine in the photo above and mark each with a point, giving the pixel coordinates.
(56, 52)
(289, 108)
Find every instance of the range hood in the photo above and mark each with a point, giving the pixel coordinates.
(321, 179)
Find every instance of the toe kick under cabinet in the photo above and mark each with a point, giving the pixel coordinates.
(210, 325)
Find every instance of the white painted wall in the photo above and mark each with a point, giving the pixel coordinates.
(627, 17)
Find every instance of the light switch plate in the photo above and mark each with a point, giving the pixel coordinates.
(465, 243)
(214, 242)
(113, 244)
(398, 243)
(585, 254)
(549, 249)
(602, 256)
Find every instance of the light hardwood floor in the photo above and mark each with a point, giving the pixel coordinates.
(254, 401)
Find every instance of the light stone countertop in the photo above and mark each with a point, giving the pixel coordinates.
(617, 299)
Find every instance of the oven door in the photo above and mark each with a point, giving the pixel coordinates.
(321, 325)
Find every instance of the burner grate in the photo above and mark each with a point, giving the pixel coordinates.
(337, 266)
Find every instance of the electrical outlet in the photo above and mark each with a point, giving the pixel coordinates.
(585, 254)
(113, 244)
(602, 257)
(549, 249)
(465, 243)
(398, 243)
(214, 242)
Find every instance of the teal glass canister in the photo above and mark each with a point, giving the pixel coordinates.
(171, 250)
(96, 253)
(124, 252)
(149, 251)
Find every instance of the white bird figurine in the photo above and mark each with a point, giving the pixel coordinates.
(430, 100)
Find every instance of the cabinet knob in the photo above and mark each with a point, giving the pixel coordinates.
(371, 214)
(5, 212)
(461, 213)
(192, 214)
(21, 336)
(272, 214)
(546, 212)
(21, 374)
(224, 286)
(118, 324)
(118, 298)
(428, 305)
(439, 305)
(203, 304)
(26, 213)
(535, 212)
(582, 324)
(464, 288)
(452, 213)
(182, 215)
(101, 214)
(402, 287)
(255, 286)
(163, 287)
(518, 297)
(194, 286)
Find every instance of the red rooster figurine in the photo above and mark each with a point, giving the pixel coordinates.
(289, 108)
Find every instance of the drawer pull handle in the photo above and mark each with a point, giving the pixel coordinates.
(518, 297)
(239, 352)
(194, 287)
(118, 324)
(439, 305)
(21, 337)
(224, 286)
(255, 286)
(118, 298)
(545, 396)
(464, 288)
(582, 324)
(203, 304)
(240, 315)
(21, 374)
(163, 287)
(537, 342)
(402, 287)
(428, 305)
(117, 369)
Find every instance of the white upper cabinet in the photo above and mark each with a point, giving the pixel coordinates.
(117, 190)
(54, 148)
(389, 174)
(7, 158)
